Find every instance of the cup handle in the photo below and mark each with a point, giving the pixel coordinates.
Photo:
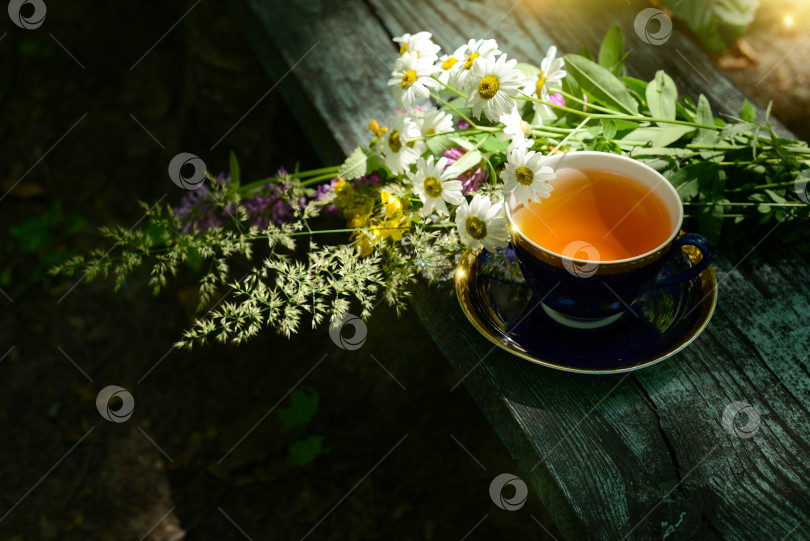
(687, 239)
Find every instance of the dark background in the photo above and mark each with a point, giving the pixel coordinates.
(69, 474)
(194, 406)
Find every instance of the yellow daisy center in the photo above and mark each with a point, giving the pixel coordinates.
(524, 176)
(403, 49)
(526, 128)
(470, 59)
(541, 81)
(409, 78)
(393, 142)
(449, 63)
(431, 131)
(433, 187)
(488, 87)
(476, 227)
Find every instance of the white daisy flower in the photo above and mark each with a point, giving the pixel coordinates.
(398, 150)
(419, 43)
(411, 80)
(549, 79)
(469, 55)
(436, 185)
(448, 64)
(525, 176)
(482, 224)
(491, 86)
(516, 130)
(436, 121)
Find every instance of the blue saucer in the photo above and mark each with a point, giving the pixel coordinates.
(661, 323)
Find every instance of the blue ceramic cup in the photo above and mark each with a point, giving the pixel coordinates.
(579, 290)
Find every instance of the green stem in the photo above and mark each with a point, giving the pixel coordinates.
(742, 204)
(459, 113)
(621, 116)
(762, 187)
(585, 103)
(567, 137)
(302, 174)
(724, 215)
(352, 230)
(466, 131)
(320, 178)
(450, 88)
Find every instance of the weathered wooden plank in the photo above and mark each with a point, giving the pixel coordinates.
(324, 57)
(589, 444)
(753, 353)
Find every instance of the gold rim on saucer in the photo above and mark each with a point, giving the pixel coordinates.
(470, 290)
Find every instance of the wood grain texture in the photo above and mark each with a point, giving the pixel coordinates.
(330, 60)
(643, 455)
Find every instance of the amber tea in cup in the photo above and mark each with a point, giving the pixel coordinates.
(616, 215)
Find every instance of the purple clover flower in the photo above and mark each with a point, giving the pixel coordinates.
(471, 179)
(197, 210)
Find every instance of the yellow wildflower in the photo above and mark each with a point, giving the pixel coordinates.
(364, 247)
(375, 127)
(341, 186)
(393, 206)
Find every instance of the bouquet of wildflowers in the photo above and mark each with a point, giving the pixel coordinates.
(470, 134)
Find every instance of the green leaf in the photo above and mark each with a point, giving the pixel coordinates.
(638, 89)
(687, 179)
(710, 219)
(717, 23)
(662, 94)
(74, 223)
(438, 144)
(710, 216)
(671, 133)
(775, 196)
(642, 135)
(748, 111)
(585, 53)
(236, 173)
(469, 160)
(494, 144)
(636, 85)
(705, 136)
(304, 451)
(610, 129)
(611, 53)
(355, 165)
(303, 407)
(32, 234)
(605, 87)
(462, 142)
